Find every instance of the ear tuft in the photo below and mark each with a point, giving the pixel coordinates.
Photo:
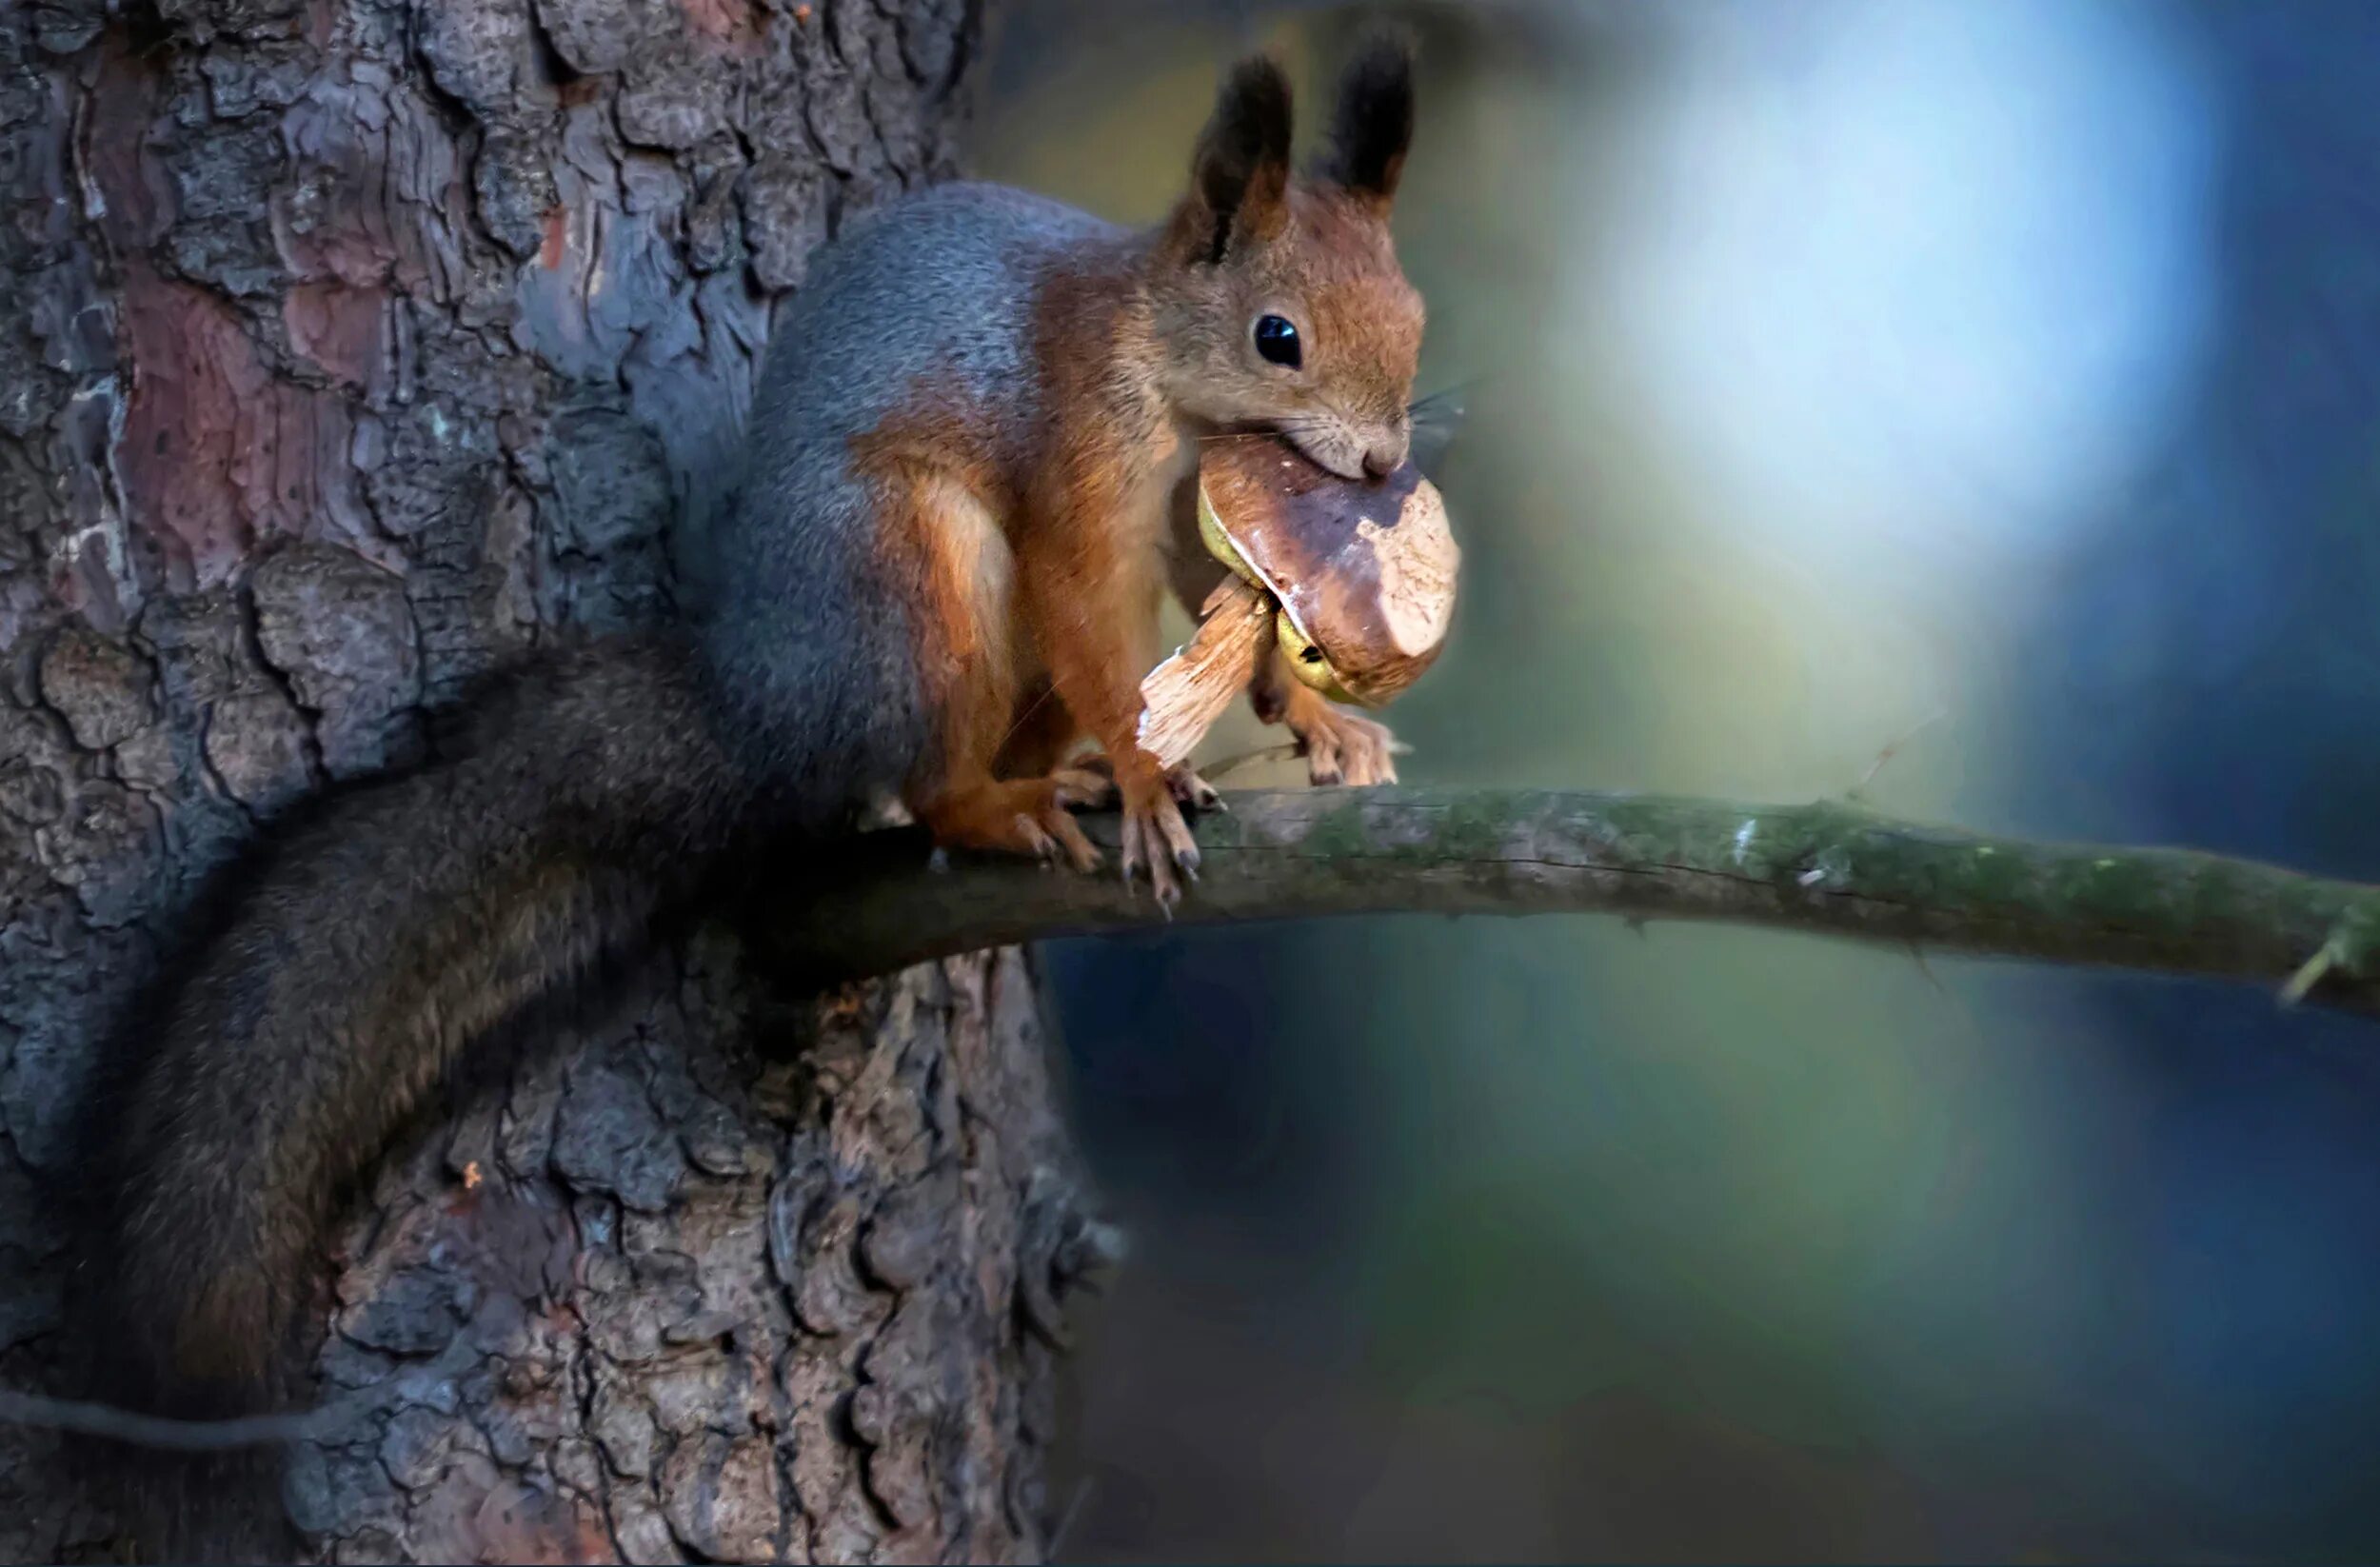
(1372, 127)
(1240, 172)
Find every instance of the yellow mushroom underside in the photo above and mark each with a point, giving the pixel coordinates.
(1305, 656)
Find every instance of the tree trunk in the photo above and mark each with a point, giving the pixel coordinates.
(351, 346)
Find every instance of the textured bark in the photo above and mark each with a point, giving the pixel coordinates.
(349, 347)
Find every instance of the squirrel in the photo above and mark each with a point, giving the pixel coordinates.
(968, 480)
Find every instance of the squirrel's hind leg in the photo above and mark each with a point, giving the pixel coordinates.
(1042, 733)
(954, 563)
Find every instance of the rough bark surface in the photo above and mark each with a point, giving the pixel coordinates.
(349, 347)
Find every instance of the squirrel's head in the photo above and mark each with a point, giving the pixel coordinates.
(1277, 296)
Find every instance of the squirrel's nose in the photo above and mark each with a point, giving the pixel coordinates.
(1379, 461)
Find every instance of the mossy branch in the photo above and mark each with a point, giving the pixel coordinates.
(1825, 868)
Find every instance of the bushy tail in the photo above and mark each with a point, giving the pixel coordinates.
(364, 947)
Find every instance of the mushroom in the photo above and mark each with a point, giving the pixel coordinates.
(1359, 579)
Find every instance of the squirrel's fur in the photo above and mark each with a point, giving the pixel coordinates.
(940, 566)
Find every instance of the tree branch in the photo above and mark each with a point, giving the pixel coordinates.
(1825, 868)
(881, 904)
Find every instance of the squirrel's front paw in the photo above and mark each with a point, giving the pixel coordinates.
(1342, 747)
(1156, 839)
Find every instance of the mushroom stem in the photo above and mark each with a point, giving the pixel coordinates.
(1182, 697)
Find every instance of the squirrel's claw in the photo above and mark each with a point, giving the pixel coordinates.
(1067, 838)
(1156, 841)
(1193, 792)
(1023, 816)
(1344, 747)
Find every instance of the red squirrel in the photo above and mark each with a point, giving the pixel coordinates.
(1000, 400)
(968, 480)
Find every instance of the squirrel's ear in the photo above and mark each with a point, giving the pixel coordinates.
(1239, 175)
(1372, 127)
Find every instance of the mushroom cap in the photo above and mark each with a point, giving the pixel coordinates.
(1363, 573)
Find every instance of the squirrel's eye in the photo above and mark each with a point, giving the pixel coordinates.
(1276, 340)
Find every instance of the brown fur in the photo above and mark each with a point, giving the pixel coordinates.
(1144, 351)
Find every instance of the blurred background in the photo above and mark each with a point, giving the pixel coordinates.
(1995, 381)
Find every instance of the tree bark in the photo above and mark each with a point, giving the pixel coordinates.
(351, 348)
